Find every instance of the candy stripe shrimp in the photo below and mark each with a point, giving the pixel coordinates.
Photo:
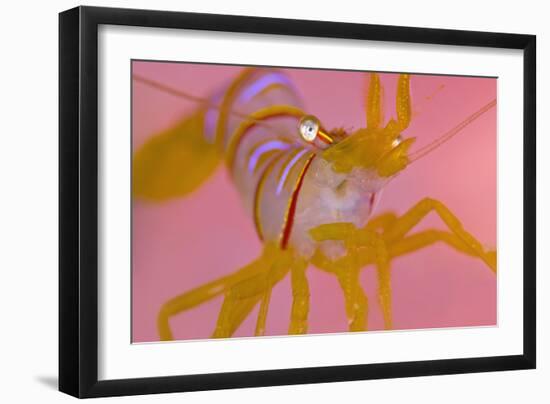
(310, 192)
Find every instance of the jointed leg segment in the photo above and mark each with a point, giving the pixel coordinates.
(411, 218)
(243, 290)
(385, 237)
(300, 298)
(355, 298)
(383, 270)
(198, 296)
(276, 264)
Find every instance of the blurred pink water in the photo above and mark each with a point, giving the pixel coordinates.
(184, 243)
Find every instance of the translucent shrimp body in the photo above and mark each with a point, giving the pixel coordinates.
(311, 194)
(292, 175)
(331, 197)
(280, 162)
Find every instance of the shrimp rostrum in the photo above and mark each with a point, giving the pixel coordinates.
(309, 191)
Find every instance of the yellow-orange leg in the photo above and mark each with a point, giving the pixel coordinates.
(300, 293)
(381, 222)
(385, 237)
(346, 269)
(384, 252)
(383, 271)
(241, 311)
(300, 298)
(262, 314)
(393, 242)
(276, 264)
(425, 238)
(234, 298)
(406, 245)
(370, 239)
(411, 218)
(356, 302)
(215, 288)
(200, 295)
(355, 299)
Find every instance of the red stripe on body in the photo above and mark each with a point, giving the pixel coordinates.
(293, 202)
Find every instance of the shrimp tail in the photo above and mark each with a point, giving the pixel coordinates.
(174, 162)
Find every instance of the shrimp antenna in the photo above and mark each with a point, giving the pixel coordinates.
(181, 94)
(451, 133)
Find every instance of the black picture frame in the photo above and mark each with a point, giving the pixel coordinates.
(78, 201)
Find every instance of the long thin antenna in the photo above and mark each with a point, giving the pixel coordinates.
(181, 94)
(450, 134)
(169, 90)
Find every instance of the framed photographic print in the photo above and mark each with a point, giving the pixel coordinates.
(252, 201)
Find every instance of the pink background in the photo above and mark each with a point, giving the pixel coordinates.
(181, 244)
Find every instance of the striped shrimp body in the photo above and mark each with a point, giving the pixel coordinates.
(311, 193)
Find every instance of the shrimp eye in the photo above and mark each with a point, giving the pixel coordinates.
(309, 128)
(397, 141)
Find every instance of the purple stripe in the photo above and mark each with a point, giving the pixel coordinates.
(263, 82)
(211, 117)
(288, 167)
(268, 146)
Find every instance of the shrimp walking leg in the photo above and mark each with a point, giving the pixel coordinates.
(458, 239)
(382, 221)
(300, 298)
(347, 268)
(213, 289)
(348, 277)
(395, 242)
(426, 238)
(242, 311)
(274, 264)
(356, 301)
(262, 314)
(355, 298)
(383, 270)
(196, 297)
(411, 218)
(385, 238)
